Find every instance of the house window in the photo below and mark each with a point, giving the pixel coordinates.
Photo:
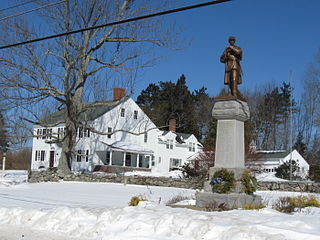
(109, 131)
(122, 112)
(87, 155)
(82, 154)
(61, 132)
(147, 161)
(39, 132)
(36, 156)
(175, 162)
(44, 133)
(42, 155)
(192, 147)
(108, 157)
(169, 144)
(145, 137)
(135, 115)
(83, 132)
(152, 161)
(159, 161)
(128, 159)
(80, 133)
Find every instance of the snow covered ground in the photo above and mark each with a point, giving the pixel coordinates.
(99, 211)
(269, 177)
(11, 177)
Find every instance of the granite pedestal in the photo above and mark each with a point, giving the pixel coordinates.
(231, 114)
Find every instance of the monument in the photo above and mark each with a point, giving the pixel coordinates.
(231, 112)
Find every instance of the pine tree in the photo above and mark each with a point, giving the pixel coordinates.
(170, 100)
(300, 146)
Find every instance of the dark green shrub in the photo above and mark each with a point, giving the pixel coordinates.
(314, 172)
(283, 171)
(223, 181)
(249, 182)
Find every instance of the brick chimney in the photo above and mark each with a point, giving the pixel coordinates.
(172, 125)
(118, 93)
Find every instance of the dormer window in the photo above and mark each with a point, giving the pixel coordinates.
(169, 144)
(122, 112)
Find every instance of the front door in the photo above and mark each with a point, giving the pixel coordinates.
(51, 160)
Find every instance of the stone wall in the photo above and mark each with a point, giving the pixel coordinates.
(290, 186)
(54, 176)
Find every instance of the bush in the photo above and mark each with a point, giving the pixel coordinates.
(253, 207)
(249, 182)
(223, 181)
(314, 172)
(305, 201)
(284, 205)
(199, 167)
(290, 204)
(283, 171)
(135, 200)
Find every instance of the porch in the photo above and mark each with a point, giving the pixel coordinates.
(125, 159)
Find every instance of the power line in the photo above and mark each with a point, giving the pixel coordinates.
(32, 10)
(116, 23)
(15, 6)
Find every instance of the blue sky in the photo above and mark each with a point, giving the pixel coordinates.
(276, 36)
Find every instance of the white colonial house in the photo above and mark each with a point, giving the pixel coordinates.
(268, 161)
(135, 143)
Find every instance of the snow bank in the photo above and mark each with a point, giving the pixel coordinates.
(154, 222)
(13, 177)
(172, 174)
(99, 211)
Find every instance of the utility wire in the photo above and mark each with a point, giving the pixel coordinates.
(116, 23)
(15, 6)
(32, 10)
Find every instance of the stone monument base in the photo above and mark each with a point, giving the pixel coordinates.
(230, 201)
(207, 187)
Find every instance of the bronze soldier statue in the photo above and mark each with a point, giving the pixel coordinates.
(232, 56)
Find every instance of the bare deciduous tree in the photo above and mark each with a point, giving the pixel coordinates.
(67, 71)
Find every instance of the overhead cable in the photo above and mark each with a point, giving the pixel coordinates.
(15, 6)
(32, 10)
(116, 23)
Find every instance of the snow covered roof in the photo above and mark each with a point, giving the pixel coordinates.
(129, 147)
(88, 115)
(278, 154)
(181, 135)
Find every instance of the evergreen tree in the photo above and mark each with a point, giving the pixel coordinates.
(169, 100)
(283, 171)
(300, 146)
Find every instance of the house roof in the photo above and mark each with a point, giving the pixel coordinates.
(182, 135)
(90, 114)
(273, 154)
